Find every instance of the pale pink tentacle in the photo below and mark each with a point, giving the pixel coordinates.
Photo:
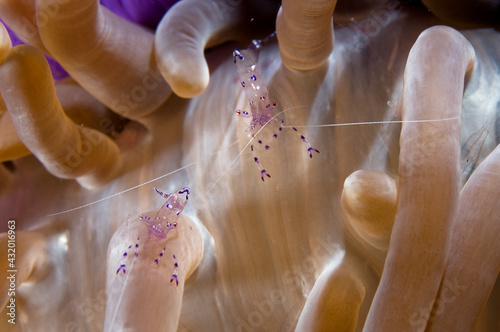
(84, 109)
(11, 146)
(369, 201)
(20, 16)
(108, 56)
(146, 282)
(30, 263)
(473, 260)
(429, 180)
(305, 32)
(65, 149)
(182, 36)
(334, 301)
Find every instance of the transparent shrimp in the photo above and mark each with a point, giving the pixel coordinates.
(139, 261)
(157, 228)
(261, 107)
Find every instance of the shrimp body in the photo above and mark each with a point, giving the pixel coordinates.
(254, 86)
(142, 264)
(261, 107)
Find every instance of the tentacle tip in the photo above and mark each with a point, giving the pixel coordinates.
(188, 82)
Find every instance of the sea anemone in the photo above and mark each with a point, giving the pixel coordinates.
(393, 227)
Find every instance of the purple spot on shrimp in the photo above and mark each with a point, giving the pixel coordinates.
(176, 265)
(262, 173)
(310, 151)
(184, 191)
(137, 245)
(125, 255)
(174, 277)
(136, 254)
(130, 246)
(156, 261)
(161, 254)
(242, 83)
(122, 267)
(257, 94)
(237, 55)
